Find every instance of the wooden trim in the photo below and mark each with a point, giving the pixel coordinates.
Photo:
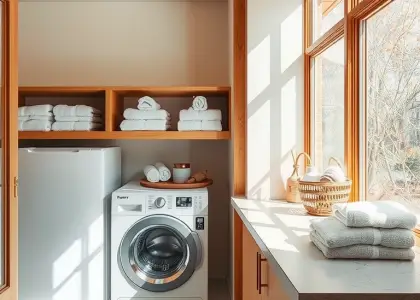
(365, 9)
(240, 56)
(330, 7)
(327, 40)
(307, 37)
(9, 102)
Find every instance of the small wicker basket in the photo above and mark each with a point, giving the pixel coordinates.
(319, 197)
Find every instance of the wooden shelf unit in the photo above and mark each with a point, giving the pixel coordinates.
(113, 98)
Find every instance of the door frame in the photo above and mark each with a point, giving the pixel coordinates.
(9, 103)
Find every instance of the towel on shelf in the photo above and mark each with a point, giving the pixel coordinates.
(200, 115)
(199, 126)
(151, 173)
(35, 110)
(34, 125)
(132, 125)
(380, 214)
(333, 234)
(164, 172)
(33, 117)
(136, 114)
(64, 110)
(363, 251)
(148, 103)
(94, 119)
(199, 103)
(75, 126)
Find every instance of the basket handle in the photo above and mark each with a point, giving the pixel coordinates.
(337, 161)
(307, 156)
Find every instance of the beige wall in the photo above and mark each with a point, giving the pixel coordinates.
(138, 43)
(275, 94)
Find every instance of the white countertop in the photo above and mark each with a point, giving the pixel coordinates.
(281, 231)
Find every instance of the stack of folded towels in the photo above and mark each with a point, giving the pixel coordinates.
(76, 118)
(35, 118)
(157, 172)
(147, 116)
(199, 117)
(366, 230)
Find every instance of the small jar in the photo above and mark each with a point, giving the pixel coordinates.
(181, 172)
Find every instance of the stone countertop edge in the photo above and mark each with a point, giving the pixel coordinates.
(292, 289)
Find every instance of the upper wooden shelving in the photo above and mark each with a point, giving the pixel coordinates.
(111, 100)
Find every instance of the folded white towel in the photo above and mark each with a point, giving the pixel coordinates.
(199, 103)
(33, 117)
(200, 115)
(94, 119)
(130, 125)
(75, 126)
(333, 234)
(148, 103)
(382, 214)
(136, 114)
(35, 110)
(199, 125)
(363, 251)
(151, 173)
(164, 172)
(75, 111)
(34, 125)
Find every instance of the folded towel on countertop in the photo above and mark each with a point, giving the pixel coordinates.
(199, 103)
(75, 111)
(151, 173)
(333, 234)
(94, 119)
(136, 114)
(148, 103)
(75, 126)
(34, 125)
(35, 110)
(200, 115)
(199, 125)
(380, 214)
(363, 251)
(164, 172)
(33, 117)
(132, 125)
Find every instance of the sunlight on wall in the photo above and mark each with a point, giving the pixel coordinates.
(71, 290)
(95, 277)
(67, 263)
(258, 158)
(291, 40)
(96, 233)
(259, 69)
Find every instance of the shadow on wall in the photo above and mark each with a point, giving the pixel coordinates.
(275, 94)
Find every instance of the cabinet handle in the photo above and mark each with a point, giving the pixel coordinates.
(259, 284)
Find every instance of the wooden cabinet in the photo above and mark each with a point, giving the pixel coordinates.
(259, 282)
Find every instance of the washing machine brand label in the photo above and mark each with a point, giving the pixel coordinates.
(199, 223)
(122, 197)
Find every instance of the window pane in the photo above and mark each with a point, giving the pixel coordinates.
(392, 104)
(328, 105)
(327, 13)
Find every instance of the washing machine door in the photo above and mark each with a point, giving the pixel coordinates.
(159, 253)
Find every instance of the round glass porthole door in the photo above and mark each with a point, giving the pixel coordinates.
(159, 253)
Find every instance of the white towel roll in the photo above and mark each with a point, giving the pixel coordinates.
(151, 173)
(148, 103)
(199, 103)
(164, 172)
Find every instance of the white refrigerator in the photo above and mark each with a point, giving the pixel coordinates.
(64, 201)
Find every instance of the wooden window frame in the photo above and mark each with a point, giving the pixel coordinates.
(356, 11)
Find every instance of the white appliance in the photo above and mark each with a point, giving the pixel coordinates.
(64, 202)
(159, 244)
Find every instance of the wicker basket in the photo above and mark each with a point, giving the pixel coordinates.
(319, 197)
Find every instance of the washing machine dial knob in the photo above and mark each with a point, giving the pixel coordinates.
(160, 202)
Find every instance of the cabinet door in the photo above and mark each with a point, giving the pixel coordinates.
(274, 289)
(9, 151)
(249, 267)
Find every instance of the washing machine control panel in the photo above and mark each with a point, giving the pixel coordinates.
(182, 204)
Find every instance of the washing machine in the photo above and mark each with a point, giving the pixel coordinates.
(159, 244)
